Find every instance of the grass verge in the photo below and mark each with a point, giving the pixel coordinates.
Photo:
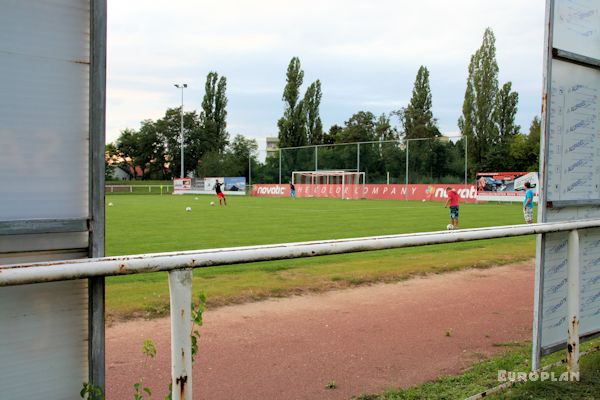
(484, 375)
(150, 224)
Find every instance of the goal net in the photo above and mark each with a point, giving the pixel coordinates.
(331, 183)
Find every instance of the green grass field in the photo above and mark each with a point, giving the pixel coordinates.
(150, 224)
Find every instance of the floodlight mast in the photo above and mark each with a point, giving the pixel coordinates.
(182, 86)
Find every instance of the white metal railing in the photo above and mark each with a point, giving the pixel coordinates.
(180, 265)
(138, 188)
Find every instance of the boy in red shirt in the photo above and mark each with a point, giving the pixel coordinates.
(453, 201)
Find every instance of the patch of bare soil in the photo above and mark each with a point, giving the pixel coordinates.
(366, 339)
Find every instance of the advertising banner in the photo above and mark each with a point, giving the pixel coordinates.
(209, 183)
(235, 184)
(231, 185)
(383, 192)
(182, 185)
(505, 186)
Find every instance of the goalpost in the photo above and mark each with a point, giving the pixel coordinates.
(341, 183)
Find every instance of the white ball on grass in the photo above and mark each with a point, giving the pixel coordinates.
(195, 198)
(188, 209)
(110, 204)
(450, 227)
(212, 203)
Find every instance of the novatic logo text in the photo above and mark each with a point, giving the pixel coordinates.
(271, 190)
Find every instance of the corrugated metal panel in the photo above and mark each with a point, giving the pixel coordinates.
(44, 173)
(570, 173)
(42, 345)
(41, 256)
(21, 243)
(44, 74)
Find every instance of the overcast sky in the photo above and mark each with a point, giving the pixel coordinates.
(366, 54)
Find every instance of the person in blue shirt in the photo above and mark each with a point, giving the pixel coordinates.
(528, 204)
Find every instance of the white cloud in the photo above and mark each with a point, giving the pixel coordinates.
(366, 55)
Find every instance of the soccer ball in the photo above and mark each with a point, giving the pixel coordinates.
(195, 198)
(188, 209)
(423, 200)
(450, 227)
(212, 203)
(110, 204)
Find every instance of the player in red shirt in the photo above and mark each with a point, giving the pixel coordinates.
(453, 201)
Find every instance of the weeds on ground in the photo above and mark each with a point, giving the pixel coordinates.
(90, 391)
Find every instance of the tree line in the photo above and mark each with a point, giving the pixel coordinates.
(493, 140)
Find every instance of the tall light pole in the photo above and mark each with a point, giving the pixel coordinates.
(182, 86)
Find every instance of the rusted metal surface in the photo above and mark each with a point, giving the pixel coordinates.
(19, 274)
(573, 302)
(180, 289)
(39, 226)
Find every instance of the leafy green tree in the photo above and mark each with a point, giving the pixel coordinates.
(505, 111)
(525, 149)
(214, 111)
(425, 156)
(312, 101)
(417, 118)
(360, 127)
(292, 130)
(384, 129)
(196, 144)
(477, 122)
(128, 148)
(498, 156)
(241, 152)
(221, 114)
(151, 151)
(267, 172)
(233, 162)
(110, 150)
(333, 134)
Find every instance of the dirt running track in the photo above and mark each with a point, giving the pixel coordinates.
(366, 339)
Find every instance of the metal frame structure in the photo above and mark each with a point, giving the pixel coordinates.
(70, 49)
(97, 99)
(179, 265)
(182, 86)
(332, 173)
(549, 206)
(405, 142)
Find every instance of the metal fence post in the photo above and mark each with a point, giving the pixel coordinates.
(180, 288)
(573, 302)
(358, 157)
(406, 173)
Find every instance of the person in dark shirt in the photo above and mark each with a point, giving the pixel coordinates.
(292, 191)
(220, 194)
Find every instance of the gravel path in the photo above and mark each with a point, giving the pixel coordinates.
(366, 339)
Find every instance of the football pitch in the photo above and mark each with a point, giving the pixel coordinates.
(149, 224)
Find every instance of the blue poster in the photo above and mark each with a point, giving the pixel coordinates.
(235, 184)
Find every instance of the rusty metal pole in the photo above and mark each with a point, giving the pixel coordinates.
(573, 302)
(180, 288)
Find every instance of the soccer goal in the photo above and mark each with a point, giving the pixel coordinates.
(331, 183)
